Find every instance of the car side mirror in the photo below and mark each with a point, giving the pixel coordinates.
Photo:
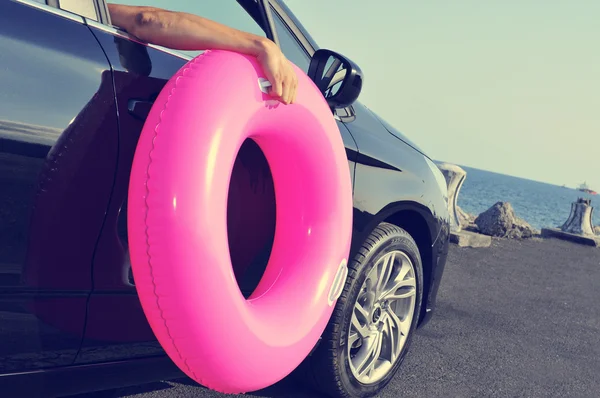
(338, 78)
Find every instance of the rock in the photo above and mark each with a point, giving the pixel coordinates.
(500, 221)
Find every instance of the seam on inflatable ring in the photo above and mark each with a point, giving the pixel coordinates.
(177, 78)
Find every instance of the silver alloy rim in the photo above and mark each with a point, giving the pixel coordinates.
(382, 317)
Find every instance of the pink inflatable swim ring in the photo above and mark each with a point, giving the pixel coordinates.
(178, 223)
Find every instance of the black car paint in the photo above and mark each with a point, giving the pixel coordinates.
(73, 102)
(56, 101)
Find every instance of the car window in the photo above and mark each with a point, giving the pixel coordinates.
(290, 46)
(226, 12)
(85, 8)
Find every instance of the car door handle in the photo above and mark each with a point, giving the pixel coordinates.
(139, 108)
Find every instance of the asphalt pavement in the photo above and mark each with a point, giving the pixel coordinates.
(518, 319)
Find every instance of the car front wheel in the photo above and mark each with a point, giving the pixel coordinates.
(370, 331)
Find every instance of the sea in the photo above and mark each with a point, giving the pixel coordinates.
(540, 204)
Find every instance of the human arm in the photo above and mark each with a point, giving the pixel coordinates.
(189, 32)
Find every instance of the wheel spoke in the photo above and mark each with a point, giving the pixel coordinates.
(384, 272)
(376, 354)
(353, 338)
(369, 295)
(393, 294)
(367, 359)
(360, 325)
(361, 330)
(393, 334)
(362, 311)
(404, 270)
(403, 326)
(398, 296)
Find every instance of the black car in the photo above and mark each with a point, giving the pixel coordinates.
(74, 94)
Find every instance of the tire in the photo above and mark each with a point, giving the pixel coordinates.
(329, 369)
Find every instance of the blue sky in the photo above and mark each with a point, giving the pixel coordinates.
(510, 86)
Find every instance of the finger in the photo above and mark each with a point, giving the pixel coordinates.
(292, 93)
(287, 90)
(290, 82)
(295, 87)
(277, 86)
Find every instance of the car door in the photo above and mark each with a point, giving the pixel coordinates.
(116, 327)
(58, 148)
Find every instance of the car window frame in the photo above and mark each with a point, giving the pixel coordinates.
(290, 30)
(46, 7)
(292, 27)
(344, 114)
(263, 21)
(93, 2)
(56, 5)
(102, 8)
(105, 24)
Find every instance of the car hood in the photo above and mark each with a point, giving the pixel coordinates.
(393, 131)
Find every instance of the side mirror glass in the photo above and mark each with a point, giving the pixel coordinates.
(338, 78)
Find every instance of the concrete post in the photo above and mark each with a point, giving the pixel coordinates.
(580, 219)
(455, 176)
